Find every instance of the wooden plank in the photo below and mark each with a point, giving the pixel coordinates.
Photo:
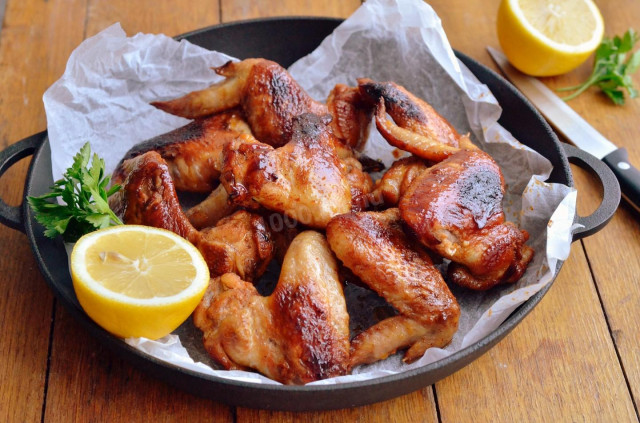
(562, 331)
(151, 16)
(614, 253)
(87, 382)
(614, 256)
(3, 7)
(26, 301)
(417, 407)
(558, 365)
(233, 10)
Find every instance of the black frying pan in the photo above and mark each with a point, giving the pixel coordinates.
(280, 40)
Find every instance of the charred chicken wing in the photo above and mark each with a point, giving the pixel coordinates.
(416, 126)
(455, 209)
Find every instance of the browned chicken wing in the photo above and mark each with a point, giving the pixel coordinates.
(360, 183)
(193, 152)
(213, 208)
(455, 209)
(351, 115)
(396, 181)
(148, 196)
(240, 243)
(264, 90)
(299, 334)
(303, 179)
(374, 247)
(416, 126)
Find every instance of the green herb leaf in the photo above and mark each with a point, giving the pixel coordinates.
(612, 69)
(84, 192)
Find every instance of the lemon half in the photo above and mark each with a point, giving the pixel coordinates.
(548, 37)
(138, 281)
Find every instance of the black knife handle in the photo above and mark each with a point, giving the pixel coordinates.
(627, 174)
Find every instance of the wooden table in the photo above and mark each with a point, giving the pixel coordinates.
(576, 357)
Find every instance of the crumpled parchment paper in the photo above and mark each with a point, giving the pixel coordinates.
(103, 97)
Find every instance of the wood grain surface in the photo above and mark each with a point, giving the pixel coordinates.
(576, 357)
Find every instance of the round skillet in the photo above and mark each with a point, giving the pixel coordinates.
(285, 40)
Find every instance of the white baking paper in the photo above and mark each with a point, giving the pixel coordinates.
(103, 97)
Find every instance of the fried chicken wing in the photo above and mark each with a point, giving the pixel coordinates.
(298, 334)
(210, 210)
(360, 183)
(303, 179)
(269, 97)
(148, 196)
(240, 243)
(396, 181)
(374, 247)
(193, 152)
(455, 209)
(416, 126)
(351, 115)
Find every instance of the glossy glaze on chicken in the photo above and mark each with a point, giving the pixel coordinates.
(273, 163)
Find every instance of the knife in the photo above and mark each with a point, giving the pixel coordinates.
(574, 128)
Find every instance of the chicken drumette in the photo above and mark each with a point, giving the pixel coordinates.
(240, 243)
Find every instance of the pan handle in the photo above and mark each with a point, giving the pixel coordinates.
(11, 216)
(610, 186)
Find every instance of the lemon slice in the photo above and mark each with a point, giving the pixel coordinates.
(137, 281)
(548, 37)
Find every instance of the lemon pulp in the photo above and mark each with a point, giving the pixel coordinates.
(548, 37)
(550, 17)
(137, 281)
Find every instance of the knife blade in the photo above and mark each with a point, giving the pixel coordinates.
(573, 127)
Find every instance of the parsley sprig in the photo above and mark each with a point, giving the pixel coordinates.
(84, 191)
(612, 68)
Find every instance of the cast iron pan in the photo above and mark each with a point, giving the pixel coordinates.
(284, 40)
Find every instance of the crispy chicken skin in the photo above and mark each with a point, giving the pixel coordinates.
(240, 243)
(193, 152)
(360, 183)
(351, 115)
(303, 179)
(455, 209)
(416, 126)
(148, 196)
(396, 181)
(374, 247)
(264, 90)
(298, 334)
